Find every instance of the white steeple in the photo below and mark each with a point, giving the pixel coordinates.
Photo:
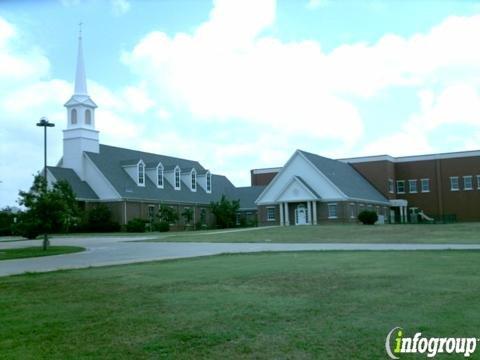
(80, 79)
(80, 135)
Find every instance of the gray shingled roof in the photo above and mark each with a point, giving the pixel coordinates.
(110, 159)
(345, 177)
(81, 189)
(247, 196)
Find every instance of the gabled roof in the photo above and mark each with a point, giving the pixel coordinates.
(109, 161)
(81, 189)
(345, 178)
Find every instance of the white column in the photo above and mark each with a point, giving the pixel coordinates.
(280, 206)
(287, 221)
(406, 214)
(309, 209)
(401, 215)
(314, 212)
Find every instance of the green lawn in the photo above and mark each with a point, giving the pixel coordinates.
(321, 305)
(461, 233)
(28, 252)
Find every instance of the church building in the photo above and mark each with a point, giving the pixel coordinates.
(133, 183)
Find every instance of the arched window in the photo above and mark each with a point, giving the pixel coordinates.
(177, 178)
(194, 180)
(88, 117)
(160, 176)
(209, 182)
(74, 116)
(141, 173)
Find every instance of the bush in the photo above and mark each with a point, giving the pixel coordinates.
(136, 225)
(26, 226)
(368, 217)
(99, 219)
(6, 221)
(161, 226)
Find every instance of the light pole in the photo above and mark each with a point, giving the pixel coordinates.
(45, 123)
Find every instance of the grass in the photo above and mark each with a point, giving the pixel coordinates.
(330, 305)
(460, 233)
(7, 254)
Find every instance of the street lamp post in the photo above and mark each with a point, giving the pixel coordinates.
(45, 123)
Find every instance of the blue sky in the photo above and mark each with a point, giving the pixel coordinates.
(242, 84)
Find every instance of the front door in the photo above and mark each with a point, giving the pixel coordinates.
(301, 215)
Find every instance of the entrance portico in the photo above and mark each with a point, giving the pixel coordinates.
(402, 207)
(297, 204)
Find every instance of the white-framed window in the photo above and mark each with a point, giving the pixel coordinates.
(177, 178)
(400, 186)
(209, 182)
(425, 185)
(377, 210)
(454, 183)
(141, 173)
(160, 176)
(412, 186)
(332, 211)
(270, 214)
(390, 186)
(88, 117)
(74, 116)
(478, 182)
(468, 182)
(352, 210)
(194, 180)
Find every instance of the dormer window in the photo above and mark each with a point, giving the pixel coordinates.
(160, 176)
(194, 180)
(209, 182)
(177, 178)
(74, 116)
(88, 117)
(141, 174)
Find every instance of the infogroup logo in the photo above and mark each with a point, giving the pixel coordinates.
(397, 343)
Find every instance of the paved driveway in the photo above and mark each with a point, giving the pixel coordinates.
(102, 251)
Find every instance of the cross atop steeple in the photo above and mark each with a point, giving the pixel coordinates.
(80, 29)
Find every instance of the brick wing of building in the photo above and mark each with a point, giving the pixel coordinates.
(312, 189)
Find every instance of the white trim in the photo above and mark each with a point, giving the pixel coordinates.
(391, 186)
(478, 182)
(138, 174)
(400, 192)
(336, 213)
(458, 183)
(176, 171)
(471, 182)
(270, 208)
(412, 181)
(193, 182)
(304, 187)
(266, 170)
(421, 185)
(160, 166)
(450, 155)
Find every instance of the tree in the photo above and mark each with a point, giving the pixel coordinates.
(167, 214)
(187, 214)
(99, 219)
(48, 210)
(225, 212)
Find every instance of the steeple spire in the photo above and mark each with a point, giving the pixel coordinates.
(80, 79)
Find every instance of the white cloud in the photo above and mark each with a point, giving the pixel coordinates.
(120, 7)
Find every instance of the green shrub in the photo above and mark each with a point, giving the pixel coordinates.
(161, 226)
(27, 226)
(6, 221)
(99, 219)
(368, 217)
(136, 225)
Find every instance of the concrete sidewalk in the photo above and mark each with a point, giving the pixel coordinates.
(102, 251)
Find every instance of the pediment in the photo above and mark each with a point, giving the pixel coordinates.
(297, 190)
